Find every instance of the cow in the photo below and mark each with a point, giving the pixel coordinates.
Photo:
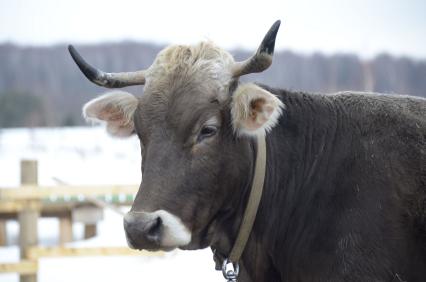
(344, 190)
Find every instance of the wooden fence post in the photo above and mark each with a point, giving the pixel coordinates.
(90, 231)
(65, 229)
(89, 216)
(3, 233)
(28, 217)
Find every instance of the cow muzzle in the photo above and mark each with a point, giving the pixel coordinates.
(159, 230)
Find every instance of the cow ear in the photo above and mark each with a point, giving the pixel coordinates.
(255, 111)
(116, 109)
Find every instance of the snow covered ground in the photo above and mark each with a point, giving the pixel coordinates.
(84, 155)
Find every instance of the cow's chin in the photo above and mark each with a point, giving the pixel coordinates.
(168, 249)
(194, 246)
(168, 242)
(152, 248)
(202, 239)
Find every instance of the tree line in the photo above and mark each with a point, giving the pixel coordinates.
(41, 86)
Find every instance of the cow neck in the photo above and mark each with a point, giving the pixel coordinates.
(251, 208)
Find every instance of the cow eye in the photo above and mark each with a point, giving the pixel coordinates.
(206, 132)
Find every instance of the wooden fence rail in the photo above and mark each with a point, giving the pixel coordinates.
(38, 252)
(24, 267)
(31, 192)
(30, 201)
(30, 265)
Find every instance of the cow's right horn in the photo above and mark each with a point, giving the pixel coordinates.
(106, 79)
(262, 59)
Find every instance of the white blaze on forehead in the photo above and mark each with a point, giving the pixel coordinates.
(175, 233)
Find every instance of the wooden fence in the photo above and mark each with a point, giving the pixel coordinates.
(28, 267)
(30, 201)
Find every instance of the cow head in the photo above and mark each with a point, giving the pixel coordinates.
(194, 122)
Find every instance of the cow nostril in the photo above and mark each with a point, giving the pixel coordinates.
(154, 229)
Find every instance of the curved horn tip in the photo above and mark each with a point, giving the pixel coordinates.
(93, 74)
(73, 52)
(70, 47)
(268, 42)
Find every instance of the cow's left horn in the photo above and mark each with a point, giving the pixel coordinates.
(262, 59)
(106, 79)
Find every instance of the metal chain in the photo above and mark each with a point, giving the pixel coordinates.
(230, 275)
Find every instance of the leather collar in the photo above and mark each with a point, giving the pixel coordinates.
(251, 208)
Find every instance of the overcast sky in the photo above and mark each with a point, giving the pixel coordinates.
(365, 27)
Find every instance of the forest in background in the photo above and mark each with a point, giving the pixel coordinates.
(41, 86)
